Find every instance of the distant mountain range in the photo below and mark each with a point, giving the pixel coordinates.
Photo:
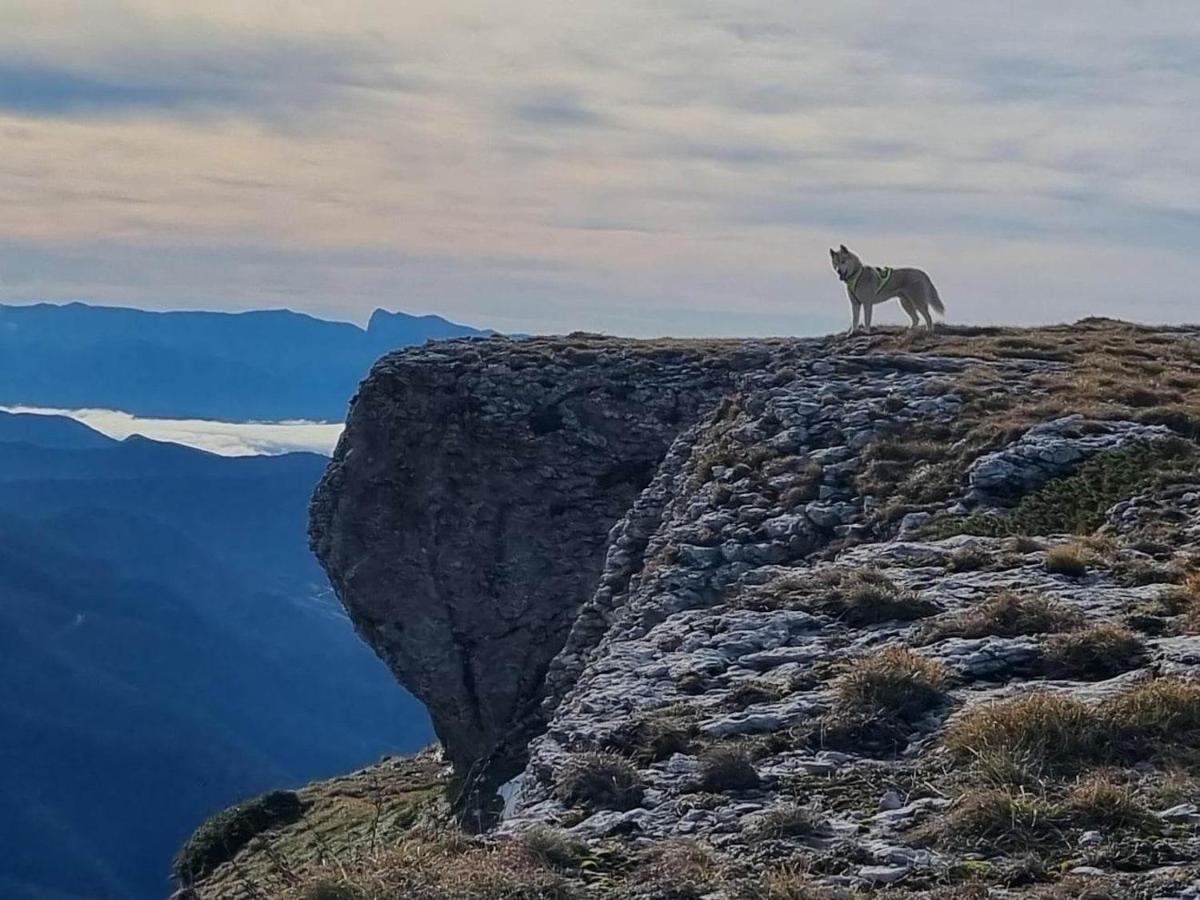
(167, 643)
(272, 364)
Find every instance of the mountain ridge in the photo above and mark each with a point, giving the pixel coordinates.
(235, 366)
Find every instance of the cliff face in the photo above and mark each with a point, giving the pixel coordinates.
(464, 517)
(774, 619)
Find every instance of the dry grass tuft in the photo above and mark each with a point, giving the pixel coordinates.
(756, 690)
(1098, 802)
(893, 683)
(791, 883)
(1067, 559)
(600, 781)
(435, 870)
(1036, 732)
(1017, 819)
(866, 597)
(1155, 714)
(1023, 543)
(328, 889)
(788, 821)
(553, 847)
(1094, 653)
(1183, 600)
(1049, 733)
(725, 768)
(1010, 820)
(1007, 614)
(678, 870)
(857, 597)
(653, 737)
(878, 700)
(968, 559)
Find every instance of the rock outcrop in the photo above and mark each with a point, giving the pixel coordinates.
(464, 518)
(772, 619)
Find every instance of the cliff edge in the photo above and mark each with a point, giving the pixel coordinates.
(781, 619)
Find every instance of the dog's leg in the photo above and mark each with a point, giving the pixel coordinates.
(867, 318)
(912, 312)
(928, 318)
(855, 307)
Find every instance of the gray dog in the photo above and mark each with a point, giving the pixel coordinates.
(868, 285)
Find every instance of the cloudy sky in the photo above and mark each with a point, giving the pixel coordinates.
(635, 166)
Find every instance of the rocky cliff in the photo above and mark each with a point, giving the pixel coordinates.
(464, 518)
(915, 613)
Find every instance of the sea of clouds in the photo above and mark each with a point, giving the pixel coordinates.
(224, 438)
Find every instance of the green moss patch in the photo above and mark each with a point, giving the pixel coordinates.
(220, 838)
(1076, 503)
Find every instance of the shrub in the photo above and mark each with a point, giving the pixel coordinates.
(727, 769)
(220, 838)
(894, 683)
(600, 781)
(1067, 559)
(1008, 614)
(1094, 653)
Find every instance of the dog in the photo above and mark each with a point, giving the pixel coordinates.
(868, 285)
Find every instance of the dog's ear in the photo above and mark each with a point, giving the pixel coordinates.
(844, 250)
(832, 253)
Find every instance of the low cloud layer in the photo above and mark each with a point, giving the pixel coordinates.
(223, 438)
(635, 167)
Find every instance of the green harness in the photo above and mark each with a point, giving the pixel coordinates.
(884, 275)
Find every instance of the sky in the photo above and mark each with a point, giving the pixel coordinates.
(639, 167)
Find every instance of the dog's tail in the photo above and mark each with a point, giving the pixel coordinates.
(936, 302)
